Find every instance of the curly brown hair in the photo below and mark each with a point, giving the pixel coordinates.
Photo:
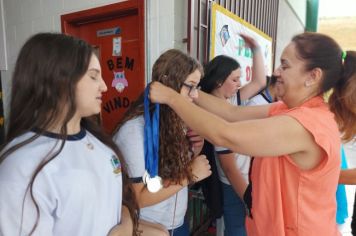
(171, 68)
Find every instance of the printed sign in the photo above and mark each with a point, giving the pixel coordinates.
(116, 46)
(225, 40)
(107, 32)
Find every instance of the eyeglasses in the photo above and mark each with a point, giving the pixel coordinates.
(192, 88)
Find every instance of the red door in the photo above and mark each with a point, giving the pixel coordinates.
(117, 31)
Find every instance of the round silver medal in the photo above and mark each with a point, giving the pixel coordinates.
(145, 177)
(154, 184)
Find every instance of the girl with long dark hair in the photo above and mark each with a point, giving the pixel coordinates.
(60, 174)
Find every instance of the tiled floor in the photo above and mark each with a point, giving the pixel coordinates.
(350, 150)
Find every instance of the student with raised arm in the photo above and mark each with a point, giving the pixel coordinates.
(222, 79)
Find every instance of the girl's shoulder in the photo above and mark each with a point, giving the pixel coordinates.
(25, 159)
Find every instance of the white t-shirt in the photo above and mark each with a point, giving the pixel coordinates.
(130, 139)
(242, 162)
(257, 100)
(77, 192)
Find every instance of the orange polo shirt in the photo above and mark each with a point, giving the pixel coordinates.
(288, 201)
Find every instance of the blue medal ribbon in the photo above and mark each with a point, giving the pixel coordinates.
(151, 137)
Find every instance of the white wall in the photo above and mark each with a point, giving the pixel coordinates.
(25, 18)
(166, 26)
(300, 9)
(289, 25)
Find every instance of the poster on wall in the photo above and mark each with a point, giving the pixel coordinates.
(225, 39)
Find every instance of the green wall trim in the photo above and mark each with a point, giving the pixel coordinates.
(312, 15)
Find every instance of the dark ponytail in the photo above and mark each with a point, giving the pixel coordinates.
(343, 99)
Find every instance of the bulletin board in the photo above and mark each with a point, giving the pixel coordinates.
(225, 40)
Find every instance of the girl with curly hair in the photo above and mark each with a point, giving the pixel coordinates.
(179, 163)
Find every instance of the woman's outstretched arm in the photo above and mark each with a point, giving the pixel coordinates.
(228, 111)
(272, 135)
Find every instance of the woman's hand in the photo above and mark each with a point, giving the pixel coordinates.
(160, 93)
(200, 168)
(251, 42)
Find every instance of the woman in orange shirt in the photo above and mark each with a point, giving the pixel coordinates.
(296, 141)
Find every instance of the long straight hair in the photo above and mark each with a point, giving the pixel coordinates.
(45, 78)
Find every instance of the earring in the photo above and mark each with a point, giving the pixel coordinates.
(307, 83)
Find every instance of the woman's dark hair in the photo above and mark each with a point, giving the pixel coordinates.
(216, 72)
(321, 51)
(271, 80)
(44, 82)
(172, 69)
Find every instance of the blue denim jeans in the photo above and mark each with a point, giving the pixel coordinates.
(183, 230)
(234, 213)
